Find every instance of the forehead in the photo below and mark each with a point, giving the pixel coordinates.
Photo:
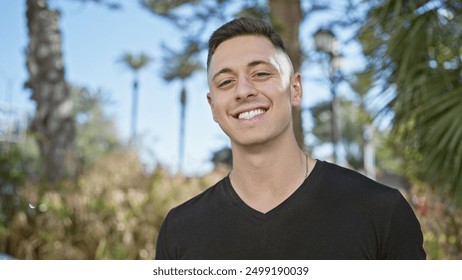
(241, 50)
(246, 42)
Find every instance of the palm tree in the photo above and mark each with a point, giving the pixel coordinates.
(181, 66)
(414, 47)
(53, 123)
(135, 63)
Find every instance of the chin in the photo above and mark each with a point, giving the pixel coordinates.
(250, 142)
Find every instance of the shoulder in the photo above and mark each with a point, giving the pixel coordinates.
(342, 178)
(200, 204)
(348, 186)
(183, 221)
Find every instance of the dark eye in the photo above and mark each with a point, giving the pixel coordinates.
(223, 83)
(262, 74)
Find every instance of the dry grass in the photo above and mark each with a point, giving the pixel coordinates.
(113, 212)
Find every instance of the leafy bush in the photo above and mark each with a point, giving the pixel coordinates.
(441, 224)
(114, 211)
(18, 162)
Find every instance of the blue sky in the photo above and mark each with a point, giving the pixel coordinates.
(94, 38)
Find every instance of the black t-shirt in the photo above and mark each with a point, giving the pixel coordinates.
(336, 213)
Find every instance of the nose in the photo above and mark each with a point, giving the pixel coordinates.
(245, 89)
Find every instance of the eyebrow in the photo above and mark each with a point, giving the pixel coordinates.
(249, 65)
(258, 62)
(222, 71)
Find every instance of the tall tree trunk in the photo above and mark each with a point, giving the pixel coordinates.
(286, 17)
(53, 123)
(183, 100)
(134, 118)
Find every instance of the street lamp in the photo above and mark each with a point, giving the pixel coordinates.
(325, 42)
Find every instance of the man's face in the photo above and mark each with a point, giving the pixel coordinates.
(252, 90)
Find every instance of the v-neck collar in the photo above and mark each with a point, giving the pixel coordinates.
(285, 204)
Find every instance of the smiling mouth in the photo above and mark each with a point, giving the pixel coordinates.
(250, 114)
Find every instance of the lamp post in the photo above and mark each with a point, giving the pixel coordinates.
(325, 42)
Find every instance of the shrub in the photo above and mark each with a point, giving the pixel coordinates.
(114, 211)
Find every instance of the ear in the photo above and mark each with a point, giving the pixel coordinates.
(209, 100)
(296, 90)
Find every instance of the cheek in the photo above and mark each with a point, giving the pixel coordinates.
(214, 112)
(275, 88)
(214, 116)
(218, 110)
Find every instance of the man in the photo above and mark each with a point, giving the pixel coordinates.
(277, 202)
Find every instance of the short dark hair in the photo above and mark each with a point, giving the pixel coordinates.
(243, 26)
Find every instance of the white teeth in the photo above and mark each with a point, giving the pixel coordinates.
(250, 114)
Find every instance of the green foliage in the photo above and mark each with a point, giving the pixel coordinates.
(18, 162)
(10, 176)
(441, 224)
(135, 62)
(10, 164)
(352, 120)
(180, 65)
(96, 132)
(164, 7)
(390, 155)
(114, 211)
(414, 47)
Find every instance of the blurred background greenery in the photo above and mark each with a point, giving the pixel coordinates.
(71, 189)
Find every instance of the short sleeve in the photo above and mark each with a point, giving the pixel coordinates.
(404, 239)
(162, 251)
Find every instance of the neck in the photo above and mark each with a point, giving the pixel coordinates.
(266, 161)
(265, 175)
